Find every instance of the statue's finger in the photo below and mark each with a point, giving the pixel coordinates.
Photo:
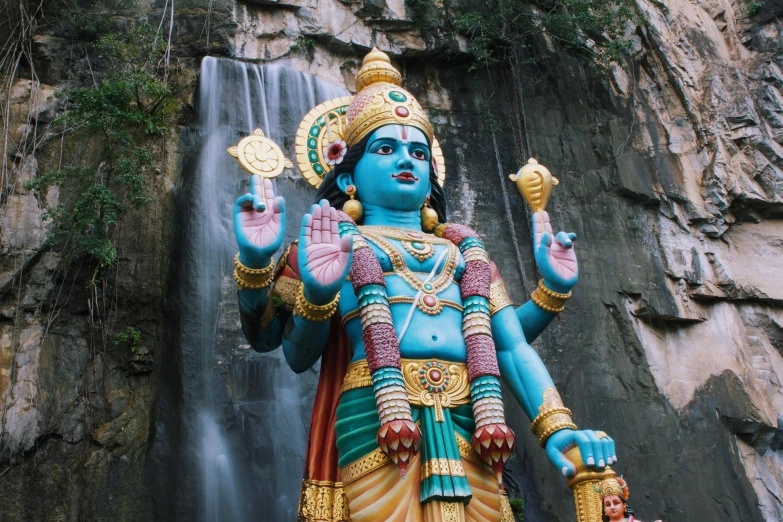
(346, 243)
(606, 444)
(547, 224)
(585, 448)
(538, 229)
(563, 239)
(256, 186)
(244, 202)
(278, 205)
(269, 189)
(572, 236)
(305, 236)
(326, 223)
(315, 210)
(598, 450)
(335, 224)
(562, 463)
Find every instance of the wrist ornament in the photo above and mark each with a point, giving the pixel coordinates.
(549, 300)
(550, 421)
(311, 312)
(252, 278)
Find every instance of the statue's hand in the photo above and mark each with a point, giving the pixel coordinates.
(597, 452)
(555, 255)
(324, 257)
(259, 230)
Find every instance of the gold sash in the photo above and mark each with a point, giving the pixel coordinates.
(429, 382)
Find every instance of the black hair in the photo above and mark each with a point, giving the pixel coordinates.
(626, 512)
(336, 197)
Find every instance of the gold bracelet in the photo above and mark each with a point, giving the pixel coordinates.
(549, 300)
(311, 312)
(550, 421)
(252, 278)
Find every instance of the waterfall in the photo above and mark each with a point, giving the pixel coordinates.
(231, 429)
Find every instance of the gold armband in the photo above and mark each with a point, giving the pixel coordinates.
(549, 300)
(498, 297)
(252, 278)
(311, 312)
(552, 417)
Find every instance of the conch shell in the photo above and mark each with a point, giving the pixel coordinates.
(535, 183)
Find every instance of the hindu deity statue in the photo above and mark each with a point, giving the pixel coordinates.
(409, 318)
(614, 501)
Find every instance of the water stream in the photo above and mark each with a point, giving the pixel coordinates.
(238, 423)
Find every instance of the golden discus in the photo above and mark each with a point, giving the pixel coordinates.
(260, 156)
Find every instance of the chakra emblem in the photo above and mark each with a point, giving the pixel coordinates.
(260, 156)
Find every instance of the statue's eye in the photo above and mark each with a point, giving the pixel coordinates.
(384, 149)
(419, 155)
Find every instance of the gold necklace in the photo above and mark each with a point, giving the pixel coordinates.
(429, 303)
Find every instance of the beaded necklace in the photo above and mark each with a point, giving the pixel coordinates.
(430, 303)
(399, 438)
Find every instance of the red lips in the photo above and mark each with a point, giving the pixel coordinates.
(405, 176)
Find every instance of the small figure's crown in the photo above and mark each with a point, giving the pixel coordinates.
(613, 486)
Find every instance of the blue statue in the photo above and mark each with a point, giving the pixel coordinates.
(408, 316)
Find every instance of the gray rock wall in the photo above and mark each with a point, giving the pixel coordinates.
(671, 175)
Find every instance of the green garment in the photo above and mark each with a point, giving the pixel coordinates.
(357, 428)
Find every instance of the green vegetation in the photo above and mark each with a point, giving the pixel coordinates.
(518, 507)
(131, 100)
(753, 8)
(303, 44)
(130, 337)
(592, 27)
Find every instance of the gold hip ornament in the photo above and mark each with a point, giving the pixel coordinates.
(260, 156)
(535, 183)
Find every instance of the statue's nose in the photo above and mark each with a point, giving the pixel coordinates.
(405, 161)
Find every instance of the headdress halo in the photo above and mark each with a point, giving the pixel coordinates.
(342, 122)
(613, 486)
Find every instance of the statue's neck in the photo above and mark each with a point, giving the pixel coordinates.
(384, 217)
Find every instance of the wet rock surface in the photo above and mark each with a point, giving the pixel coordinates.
(671, 175)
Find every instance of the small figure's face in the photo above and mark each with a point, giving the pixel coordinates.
(394, 172)
(614, 507)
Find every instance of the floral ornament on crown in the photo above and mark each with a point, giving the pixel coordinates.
(335, 152)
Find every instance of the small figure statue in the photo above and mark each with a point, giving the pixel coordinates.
(409, 317)
(614, 501)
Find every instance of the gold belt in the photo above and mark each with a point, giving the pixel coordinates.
(429, 382)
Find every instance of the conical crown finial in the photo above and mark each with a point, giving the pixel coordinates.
(377, 68)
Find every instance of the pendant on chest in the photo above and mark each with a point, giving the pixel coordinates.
(421, 247)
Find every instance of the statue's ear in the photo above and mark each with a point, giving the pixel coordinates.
(344, 179)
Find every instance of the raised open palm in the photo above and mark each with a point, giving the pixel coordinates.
(259, 229)
(555, 255)
(324, 257)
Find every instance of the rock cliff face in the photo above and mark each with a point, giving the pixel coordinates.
(671, 173)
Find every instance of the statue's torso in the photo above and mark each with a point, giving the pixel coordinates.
(428, 336)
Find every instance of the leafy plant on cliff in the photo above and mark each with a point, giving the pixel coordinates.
(130, 337)
(130, 101)
(593, 27)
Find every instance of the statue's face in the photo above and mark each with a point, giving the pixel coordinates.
(394, 172)
(614, 507)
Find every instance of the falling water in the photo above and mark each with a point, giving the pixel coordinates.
(241, 417)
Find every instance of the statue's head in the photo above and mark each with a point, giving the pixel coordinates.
(614, 497)
(380, 141)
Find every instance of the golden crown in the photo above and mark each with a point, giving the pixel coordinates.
(381, 101)
(329, 128)
(613, 486)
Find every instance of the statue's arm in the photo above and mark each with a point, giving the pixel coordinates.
(323, 259)
(520, 366)
(525, 374)
(556, 261)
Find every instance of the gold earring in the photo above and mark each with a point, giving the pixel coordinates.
(353, 207)
(429, 218)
